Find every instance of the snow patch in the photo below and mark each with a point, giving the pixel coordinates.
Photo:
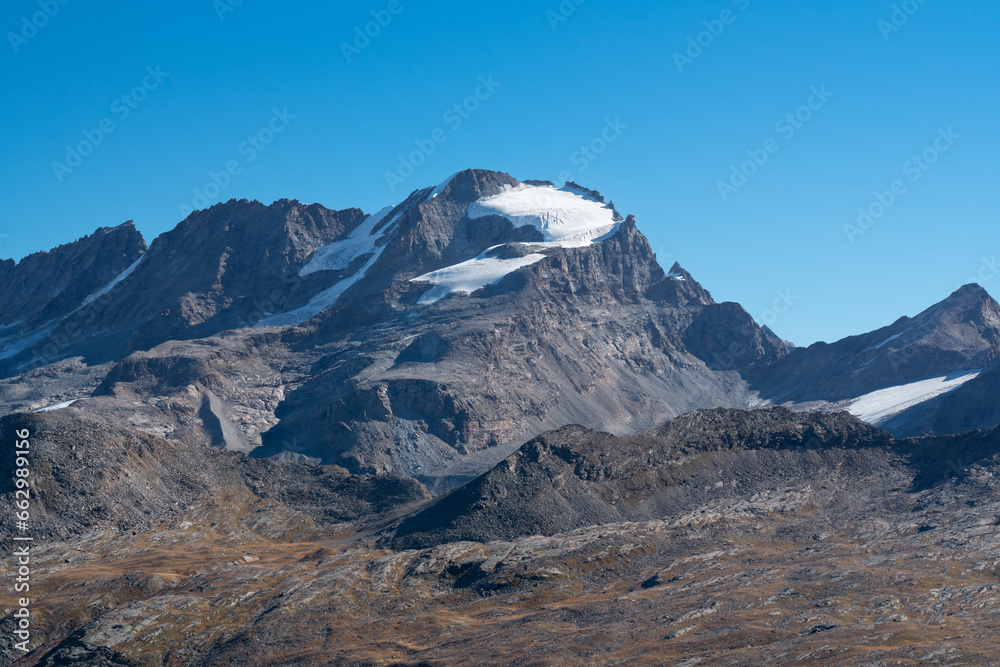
(471, 275)
(19, 343)
(57, 406)
(892, 338)
(337, 256)
(879, 406)
(565, 217)
(110, 286)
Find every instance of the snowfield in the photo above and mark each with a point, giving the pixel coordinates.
(337, 256)
(880, 405)
(472, 275)
(565, 217)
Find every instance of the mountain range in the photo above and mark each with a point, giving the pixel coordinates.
(432, 338)
(484, 421)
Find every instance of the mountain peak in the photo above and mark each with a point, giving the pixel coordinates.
(973, 293)
(969, 303)
(471, 184)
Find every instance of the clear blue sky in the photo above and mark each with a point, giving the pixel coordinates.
(892, 90)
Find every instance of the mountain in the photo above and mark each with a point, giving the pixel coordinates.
(432, 338)
(933, 373)
(483, 422)
(429, 339)
(217, 270)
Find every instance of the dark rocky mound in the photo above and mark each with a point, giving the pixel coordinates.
(575, 477)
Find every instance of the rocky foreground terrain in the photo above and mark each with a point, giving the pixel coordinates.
(721, 537)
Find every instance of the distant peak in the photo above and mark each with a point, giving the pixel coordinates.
(972, 295)
(593, 194)
(678, 272)
(971, 290)
(472, 184)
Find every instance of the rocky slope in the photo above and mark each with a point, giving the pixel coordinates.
(95, 473)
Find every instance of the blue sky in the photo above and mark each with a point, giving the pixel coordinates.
(182, 87)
